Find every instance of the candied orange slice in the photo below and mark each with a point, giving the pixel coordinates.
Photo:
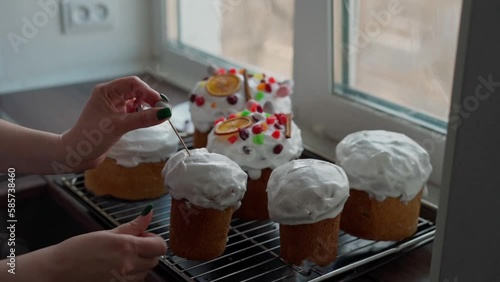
(231, 126)
(223, 85)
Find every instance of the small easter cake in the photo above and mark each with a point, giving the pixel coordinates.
(258, 142)
(387, 172)
(226, 92)
(206, 188)
(306, 198)
(132, 168)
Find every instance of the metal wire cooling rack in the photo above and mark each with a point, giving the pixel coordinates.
(252, 252)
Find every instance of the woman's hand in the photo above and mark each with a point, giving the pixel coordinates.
(108, 114)
(125, 253)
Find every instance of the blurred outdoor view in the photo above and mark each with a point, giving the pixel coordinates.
(402, 51)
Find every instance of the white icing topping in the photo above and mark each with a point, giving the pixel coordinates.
(254, 157)
(384, 164)
(205, 179)
(306, 191)
(213, 108)
(145, 145)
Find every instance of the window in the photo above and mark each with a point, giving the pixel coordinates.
(357, 65)
(398, 54)
(255, 34)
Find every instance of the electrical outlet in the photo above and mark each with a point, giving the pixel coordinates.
(85, 15)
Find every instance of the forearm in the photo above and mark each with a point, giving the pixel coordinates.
(35, 266)
(28, 150)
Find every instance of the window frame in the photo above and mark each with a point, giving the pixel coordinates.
(314, 98)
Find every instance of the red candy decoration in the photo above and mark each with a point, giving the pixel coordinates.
(257, 129)
(277, 149)
(232, 71)
(270, 120)
(232, 139)
(221, 71)
(219, 120)
(281, 118)
(243, 133)
(269, 88)
(276, 134)
(277, 126)
(200, 101)
(192, 98)
(271, 80)
(232, 100)
(253, 108)
(259, 109)
(231, 116)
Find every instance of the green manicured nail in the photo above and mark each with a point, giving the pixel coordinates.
(164, 113)
(164, 98)
(147, 210)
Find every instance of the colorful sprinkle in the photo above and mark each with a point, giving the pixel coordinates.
(245, 113)
(268, 114)
(259, 96)
(221, 71)
(277, 149)
(243, 133)
(246, 150)
(214, 105)
(232, 139)
(258, 139)
(232, 100)
(200, 101)
(255, 118)
(261, 87)
(192, 98)
(276, 134)
(271, 80)
(277, 126)
(259, 109)
(269, 88)
(232, 116)
(270, 119)
(232, 71)
(257, 129)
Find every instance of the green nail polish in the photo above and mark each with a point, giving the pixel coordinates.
(164, 113)
(164, 98)
(147, 210)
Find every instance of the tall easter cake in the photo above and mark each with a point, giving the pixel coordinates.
(387, 172)
(306, 198)
(132, 167)
(226, 92)
(258, 142)
(206, 188)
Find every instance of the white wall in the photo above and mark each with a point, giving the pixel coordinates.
(52, 58)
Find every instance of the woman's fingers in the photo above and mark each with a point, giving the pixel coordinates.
(145, 118)
(150, 246)
(132, 87)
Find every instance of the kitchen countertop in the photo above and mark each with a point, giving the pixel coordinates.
(43, 109)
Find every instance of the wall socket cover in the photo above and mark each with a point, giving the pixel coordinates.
(86, 15)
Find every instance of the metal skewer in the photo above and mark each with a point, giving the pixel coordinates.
(180, 138)
(164, 104)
